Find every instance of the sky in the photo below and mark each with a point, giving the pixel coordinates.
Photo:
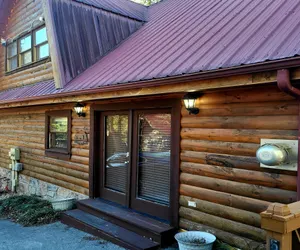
(146, 2)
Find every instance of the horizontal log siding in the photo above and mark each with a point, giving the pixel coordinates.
(25, 128)
(20, 20)
(219, 170)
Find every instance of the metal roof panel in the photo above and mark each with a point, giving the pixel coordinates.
(183, 37)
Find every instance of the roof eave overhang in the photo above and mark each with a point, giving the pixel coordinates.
(184, 78)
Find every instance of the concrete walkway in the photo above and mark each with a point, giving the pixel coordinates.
(49, 237)
(56, 236)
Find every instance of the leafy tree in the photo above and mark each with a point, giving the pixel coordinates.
(146, 2)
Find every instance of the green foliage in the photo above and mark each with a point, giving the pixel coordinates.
(219, 245)
(28, 210)
(59, 124)
(146, 2)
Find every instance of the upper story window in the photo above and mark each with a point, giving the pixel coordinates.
(41, 46)
(27, 49)
(12, 56)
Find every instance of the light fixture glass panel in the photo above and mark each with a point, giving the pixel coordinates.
(189, 103)
(78, 109)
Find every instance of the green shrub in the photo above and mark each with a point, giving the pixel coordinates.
(219, 245)
(28, 210)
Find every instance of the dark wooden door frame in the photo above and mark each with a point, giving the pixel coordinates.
(175, 105)
(105, 193)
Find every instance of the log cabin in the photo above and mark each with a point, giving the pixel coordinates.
(93, 94)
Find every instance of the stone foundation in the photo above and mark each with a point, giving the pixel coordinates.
(32, 186)
(5, 176)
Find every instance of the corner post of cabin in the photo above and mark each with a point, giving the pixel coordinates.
(285, 85)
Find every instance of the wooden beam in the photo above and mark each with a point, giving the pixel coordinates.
(280, 181)
(238, 188)
(226, 225)
(232, 200)
(226, 212)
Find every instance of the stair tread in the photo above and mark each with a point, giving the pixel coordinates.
(127, 215)
(112, 230)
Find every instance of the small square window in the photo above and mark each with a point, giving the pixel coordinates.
(25, 50)
(12, 50)
(40, 36)
(58, 133)
(13, 63)
(25, 43)
(26, 58)
(43, 51)
(41, 44)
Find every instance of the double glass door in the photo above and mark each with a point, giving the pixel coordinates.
(136, 160)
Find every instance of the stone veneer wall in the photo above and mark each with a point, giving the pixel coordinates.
(32, 186)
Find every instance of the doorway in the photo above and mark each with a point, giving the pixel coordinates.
(137, 155)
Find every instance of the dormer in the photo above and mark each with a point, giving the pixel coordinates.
(83, 31)
(60, 39)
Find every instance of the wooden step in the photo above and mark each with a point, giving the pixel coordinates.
(107, 230)
(127, 218)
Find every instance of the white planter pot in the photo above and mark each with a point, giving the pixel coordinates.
(188, 240)
(63, 204)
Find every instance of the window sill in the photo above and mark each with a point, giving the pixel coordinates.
(28, 66)
(58, 154)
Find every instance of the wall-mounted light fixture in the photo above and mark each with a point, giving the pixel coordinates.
(3, 42)
(190, 102)
(79, 109)
(278, 154)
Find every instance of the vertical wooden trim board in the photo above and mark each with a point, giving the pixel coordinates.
(58, 73)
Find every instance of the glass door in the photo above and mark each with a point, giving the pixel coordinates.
(137, 174)
(115, 156)
(151, 162)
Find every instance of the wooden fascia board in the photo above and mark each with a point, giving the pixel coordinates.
(57, 66)
(128, 90)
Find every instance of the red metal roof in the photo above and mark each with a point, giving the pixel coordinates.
(190, 36)
(121, 7)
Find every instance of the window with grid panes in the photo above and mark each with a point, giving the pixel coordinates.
(28, 49)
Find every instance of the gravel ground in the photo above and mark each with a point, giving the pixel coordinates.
(56, 236)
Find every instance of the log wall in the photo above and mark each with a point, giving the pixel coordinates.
(219, 170)
(23, 14)
(25, 128)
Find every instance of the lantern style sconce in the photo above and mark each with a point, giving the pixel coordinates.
(190, 101)
(79, 107)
